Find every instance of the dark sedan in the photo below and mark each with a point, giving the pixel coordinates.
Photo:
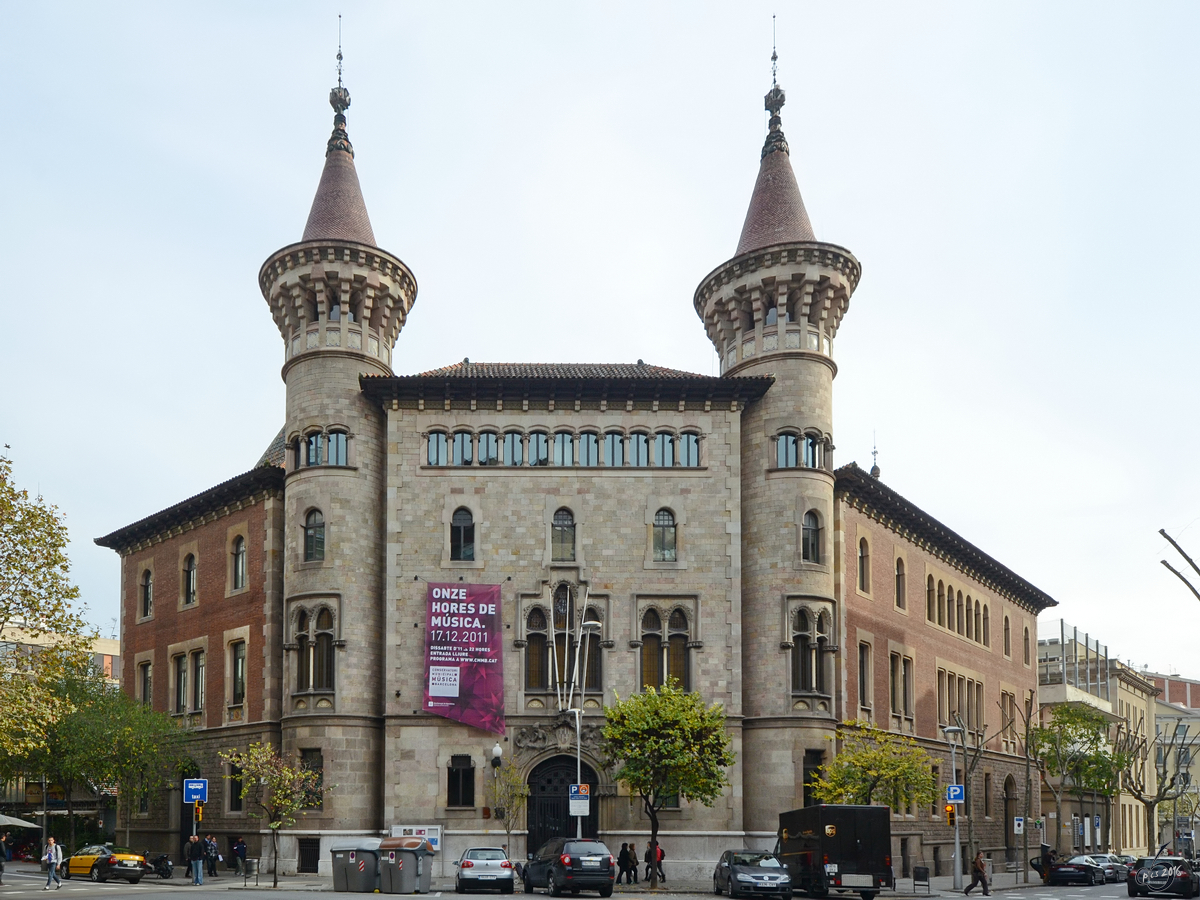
(1081, 869)
(744, 872)
(1162, 875)
(567, 864)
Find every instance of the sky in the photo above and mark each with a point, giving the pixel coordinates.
(1018, 181)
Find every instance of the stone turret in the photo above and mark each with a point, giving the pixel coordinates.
(775, 309)
(339, 302)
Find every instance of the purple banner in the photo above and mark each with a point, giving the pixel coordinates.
(464, 668)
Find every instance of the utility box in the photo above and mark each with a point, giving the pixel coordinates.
(356, 865)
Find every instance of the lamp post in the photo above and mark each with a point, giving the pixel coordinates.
(589, 628)
(951, 731)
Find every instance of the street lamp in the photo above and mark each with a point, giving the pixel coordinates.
(590, 627)
(951, 731)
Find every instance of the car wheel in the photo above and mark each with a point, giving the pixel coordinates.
(551, 887)
(1187, 889)
(135, 880)
(606, 890)
(733, 891)
(506, 888)
(1133, 891)
(716, 887)
(66, 870)
(527, 881)
(94, 874)
(1091, 879)
(458, 888)
(867, 895)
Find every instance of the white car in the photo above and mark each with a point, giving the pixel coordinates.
(484, 868)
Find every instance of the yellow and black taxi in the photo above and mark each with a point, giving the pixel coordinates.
(101, 862)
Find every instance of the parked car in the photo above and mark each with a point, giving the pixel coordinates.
(484, 867)
(1082, 869)
(1115, 868)
(1162, 875)
(567, 864)
(743, 872)
(101, 862)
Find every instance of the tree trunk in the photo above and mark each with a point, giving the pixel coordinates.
(1058, 821)
(652, 812)
(275, 853)
(70, 814)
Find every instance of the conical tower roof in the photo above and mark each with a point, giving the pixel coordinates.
(776, 214)
(338, 211)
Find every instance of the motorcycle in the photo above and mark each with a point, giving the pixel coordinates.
(160, 865)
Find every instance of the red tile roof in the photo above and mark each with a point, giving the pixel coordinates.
(338, 211)
(776, 214)
(466, 369)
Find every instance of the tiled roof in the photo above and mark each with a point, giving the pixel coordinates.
(467, 369)
(338, 210)
(881, 503)
(237, 488)
(776, 214)
(276, 451)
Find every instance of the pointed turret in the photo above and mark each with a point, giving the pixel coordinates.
(776, 214)
(338, 211)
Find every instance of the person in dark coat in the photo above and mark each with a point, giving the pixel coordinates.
(978, 875)
(195, 857)
(633, 862)
(239, 852)
(623, 864)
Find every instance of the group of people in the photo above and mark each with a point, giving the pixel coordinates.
(202, 853)
(627, 863)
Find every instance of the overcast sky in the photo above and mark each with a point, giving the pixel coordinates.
(1018, 180)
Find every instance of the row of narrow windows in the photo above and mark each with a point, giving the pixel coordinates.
(189, 580)
(321, 449)
(562, 536)
(563, 448)
(799, 451)
(188, 670)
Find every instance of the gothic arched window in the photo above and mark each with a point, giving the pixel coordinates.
(639, 449)
(810, 636)
(689, 450)
(930, 601)
(462, 535)
(1007, 638)
(664, 449)
(538, 448)
(978, 624)
(147, 594)
(786, 451)
(665, 656)
(537, 672)
(562, 536)
(314, 643)
(864, 566)
(564, 449)
(810, 538)
(664, 536)
(239, 563)
(950, 607)
(436, 448)
(970, 619)
(941, 601)
(901, 594)
(987, 636)
(1025, 640)
(461, 452)
(314, 536)
(811, 451)
(189, 580)
(652, 649)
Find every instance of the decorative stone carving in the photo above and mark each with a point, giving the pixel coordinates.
(333, 337)
(556, 734)
(354, 341)
(770, 342)
(792, 340)
(313, 341)
(373, 346)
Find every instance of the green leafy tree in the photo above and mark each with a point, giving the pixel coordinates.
(666, 743)
(44, 632)
(873, 764)
(1067, 749)
(509, 795)
(279, 786)
(142, 752)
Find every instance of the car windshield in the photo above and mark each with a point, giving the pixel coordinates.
(486, 854)
(762, 860)
(586, 848)
(124, 850)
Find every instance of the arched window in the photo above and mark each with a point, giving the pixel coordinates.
(538, 448)
(562, 536)
(664, 536)
(950, 607)
(589, 449)
(901, 594)
(639, 449)
(313, 449)
(614, 448)
(314, 536)
(564, 449)
(930, 601)
(652, 650)
(513, 455)
(961, 624)
(488, 448)
(436, 448)
(748, 320)
(810, 636)
(335, 310)
(978, 624)
(147, 594)
(1007, 638)
(337, 448)
(461, 454)
(811, 451)
(561, 633)
(189, 579)
(987, 636)
(239, 563)
(591, 654)
(810, 538)
(462, 535)
(772, 316)
(664, 449)
(304, 654)
(941, 600)
(677, 652)
(537, 669)
(864, 566)
(689, 450)
(786, 450)
(314, 643)
(1025, 641)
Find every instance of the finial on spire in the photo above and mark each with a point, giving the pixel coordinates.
(339, 99)
(773, 103)
(774, 55)
(874, 456)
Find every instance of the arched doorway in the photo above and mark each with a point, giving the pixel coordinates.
(548, 805)
(1010, 813)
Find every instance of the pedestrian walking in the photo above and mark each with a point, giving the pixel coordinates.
(623, 863)
(6, 845)
(633, 862)
(52, 857)
(662, 876)
(649, 860)
(239, 853)
(195, 856)
(978, 875)
(211, 854)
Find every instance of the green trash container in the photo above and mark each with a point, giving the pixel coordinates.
(356, 865)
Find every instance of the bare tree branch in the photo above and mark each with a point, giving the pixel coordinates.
(1191, 563)
(1180, 576)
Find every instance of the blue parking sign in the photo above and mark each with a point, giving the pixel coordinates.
(955, 793)
(195, 789)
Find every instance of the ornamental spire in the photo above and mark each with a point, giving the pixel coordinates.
(339, 99)
(773, 103)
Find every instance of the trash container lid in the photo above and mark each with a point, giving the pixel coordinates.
(362, 843)
(410, 843)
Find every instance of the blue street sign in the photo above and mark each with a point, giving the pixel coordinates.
(578, 799)
(955, 793)
(195, 789)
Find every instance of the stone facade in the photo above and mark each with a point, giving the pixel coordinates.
(756, 602)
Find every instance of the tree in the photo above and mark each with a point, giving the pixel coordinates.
(1065, 749)
(666, 743)
(510, 793)
(278, 786)
(971, 758)
(1155, 768)
(45, 635)
(142, 751)
(875, 764)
